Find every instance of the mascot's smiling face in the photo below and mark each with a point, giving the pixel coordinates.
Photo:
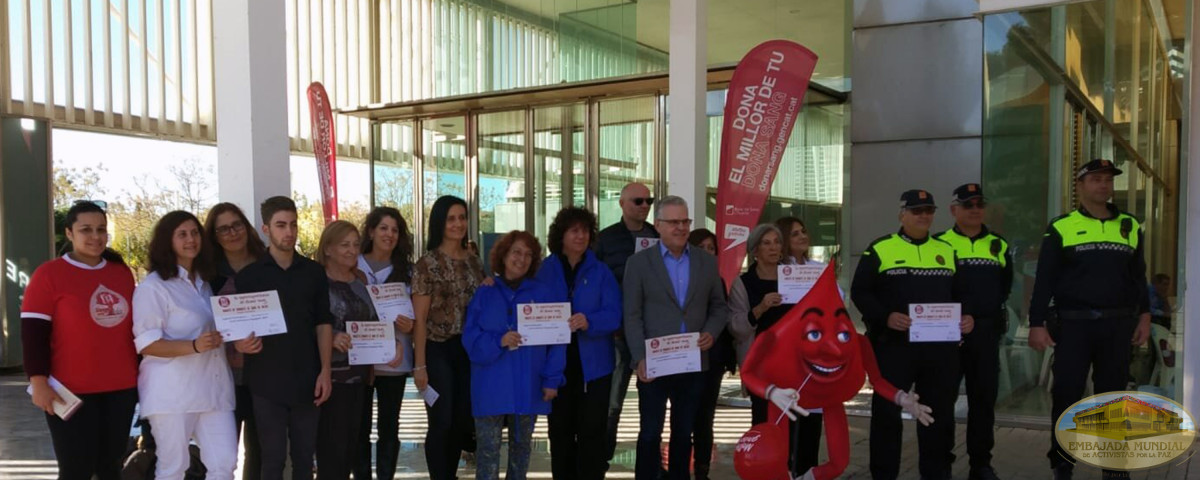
(830, 343)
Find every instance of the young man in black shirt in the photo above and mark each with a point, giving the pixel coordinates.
(288, 374)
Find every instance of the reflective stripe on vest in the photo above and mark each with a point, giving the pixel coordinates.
(1077, 229)
(989, 250)
(933, 255)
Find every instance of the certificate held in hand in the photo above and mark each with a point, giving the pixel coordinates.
(391, 300)
(544, 323)
(237, 316)
(796, 280)
(935, 322)
(672, 354)
(371, 343)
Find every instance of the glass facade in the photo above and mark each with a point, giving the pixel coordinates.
(1064, 85)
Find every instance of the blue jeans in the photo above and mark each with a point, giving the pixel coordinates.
(683, 391)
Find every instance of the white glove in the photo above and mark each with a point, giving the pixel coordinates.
(806, 476)
(785, 399)
(908, 400)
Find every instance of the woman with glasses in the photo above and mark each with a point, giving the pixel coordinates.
(578, 422)
(234, 245)
(444, 280)
(511, 383)
(77, 332)
(185, 388)
(341, 416)
(386, 258)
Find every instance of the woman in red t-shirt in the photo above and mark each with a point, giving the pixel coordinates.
(77, 331)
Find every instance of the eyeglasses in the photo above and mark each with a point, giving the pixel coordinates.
(235, 227)
(922, 210)
(685, 222)
(640, 201)
(973, 205)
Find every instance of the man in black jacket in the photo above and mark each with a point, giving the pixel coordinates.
(616, 244)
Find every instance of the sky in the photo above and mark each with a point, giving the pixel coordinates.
(127, 159)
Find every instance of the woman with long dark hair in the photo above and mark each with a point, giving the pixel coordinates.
(444, 280)
(77, 328)
(579, 421)
(185, 388)
(721, 359)
(234, 244)
(796, 243)
(386, 257)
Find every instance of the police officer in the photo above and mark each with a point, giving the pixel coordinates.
(898, 270)
(1093, 269)
(984, 274)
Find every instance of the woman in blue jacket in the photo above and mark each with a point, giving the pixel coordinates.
(579, 420)
(510, 383)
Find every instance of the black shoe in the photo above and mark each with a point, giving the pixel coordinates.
(1063, 471)
(983, 473)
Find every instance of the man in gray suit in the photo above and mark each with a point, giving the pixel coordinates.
(669, 290)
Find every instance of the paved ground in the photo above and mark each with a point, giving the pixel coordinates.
(25, 451)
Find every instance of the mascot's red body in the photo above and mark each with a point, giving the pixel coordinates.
(815, 349)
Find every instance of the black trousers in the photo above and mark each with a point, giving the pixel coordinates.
(283, 427)
(804, 435)
(934, 368)
(94, 440)
(721, 355)
(1101, 345)
(681, 390)
(390, 392)
(622, 373)
(243, 414)
(337, 431)
(578, 428)
(980, 360)
(451, 425)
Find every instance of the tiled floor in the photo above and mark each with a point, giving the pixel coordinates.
(25, 451)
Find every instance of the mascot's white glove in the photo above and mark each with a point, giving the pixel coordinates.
(785, 399)
(908, 400)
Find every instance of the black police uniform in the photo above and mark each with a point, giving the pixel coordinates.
(984, 273)
(1095, 272)
(895, 271)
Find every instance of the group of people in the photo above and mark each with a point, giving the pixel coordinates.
(295, 394)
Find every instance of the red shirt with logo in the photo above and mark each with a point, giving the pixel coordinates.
(91, 340)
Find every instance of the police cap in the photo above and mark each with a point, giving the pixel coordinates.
(1097, 165)
(916, 199)
(967, 192)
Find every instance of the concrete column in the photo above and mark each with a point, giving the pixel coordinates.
(1191, 256)
(249, 53)
(687, 161)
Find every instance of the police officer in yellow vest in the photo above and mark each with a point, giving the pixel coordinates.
(985, 275)
(904, 268)
(1092, 268)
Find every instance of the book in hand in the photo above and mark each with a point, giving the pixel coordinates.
(70, 403)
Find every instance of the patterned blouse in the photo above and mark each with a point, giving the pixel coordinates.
(349, 302)
(450, 284)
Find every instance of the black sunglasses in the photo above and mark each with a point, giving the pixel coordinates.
(973, 205)
(640, 201)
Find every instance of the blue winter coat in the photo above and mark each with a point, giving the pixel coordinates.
(598, 297)
(504, 381)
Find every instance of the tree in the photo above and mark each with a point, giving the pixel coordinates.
(71, 184)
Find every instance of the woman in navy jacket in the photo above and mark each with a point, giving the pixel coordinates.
(510, 384)
(579, 420)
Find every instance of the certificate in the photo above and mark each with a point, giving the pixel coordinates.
(391, 300)
(643, 243)
(796, 280)
(544, 323)
(371, 343)
(672, 354)
(237, 316)
(935, 322)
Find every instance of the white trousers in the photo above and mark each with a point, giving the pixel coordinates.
(215, 434)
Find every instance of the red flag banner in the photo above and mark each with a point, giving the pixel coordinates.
(765, 96)
(324, 148)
